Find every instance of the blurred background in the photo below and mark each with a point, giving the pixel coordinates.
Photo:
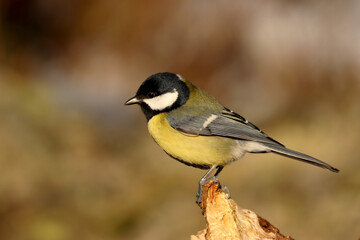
(75, 163)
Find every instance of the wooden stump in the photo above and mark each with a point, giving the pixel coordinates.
(226, 220)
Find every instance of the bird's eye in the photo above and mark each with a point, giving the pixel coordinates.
(151, 95)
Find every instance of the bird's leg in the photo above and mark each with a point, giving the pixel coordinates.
(223, 187)
(219, 169)
(206, 178)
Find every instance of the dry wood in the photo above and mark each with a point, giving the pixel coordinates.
(226, 220)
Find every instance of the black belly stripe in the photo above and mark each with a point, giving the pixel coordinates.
(201, 166)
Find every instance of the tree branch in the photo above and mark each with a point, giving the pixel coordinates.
(226, 220)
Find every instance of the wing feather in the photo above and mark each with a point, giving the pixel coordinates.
(232, 125)
(224, 124)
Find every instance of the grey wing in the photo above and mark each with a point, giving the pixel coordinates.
(224, 124)
(232, 125)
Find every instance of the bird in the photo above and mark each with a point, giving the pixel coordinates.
(194, 128)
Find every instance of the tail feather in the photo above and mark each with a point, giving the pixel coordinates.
(278, 149)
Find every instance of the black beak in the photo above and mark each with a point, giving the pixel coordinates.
(132, 100)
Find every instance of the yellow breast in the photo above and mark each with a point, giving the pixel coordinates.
(200, 150)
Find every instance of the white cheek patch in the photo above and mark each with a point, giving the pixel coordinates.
(162, 101)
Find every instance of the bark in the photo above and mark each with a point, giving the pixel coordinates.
(226, 220)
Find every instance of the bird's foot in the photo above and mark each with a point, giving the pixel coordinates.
(203, 182)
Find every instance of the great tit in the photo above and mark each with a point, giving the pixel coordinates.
(192, 127)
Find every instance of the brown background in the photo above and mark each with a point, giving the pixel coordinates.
(77, 164)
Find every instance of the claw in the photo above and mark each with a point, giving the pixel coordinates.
(205, 179)
(202, 183)
(225, 189)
